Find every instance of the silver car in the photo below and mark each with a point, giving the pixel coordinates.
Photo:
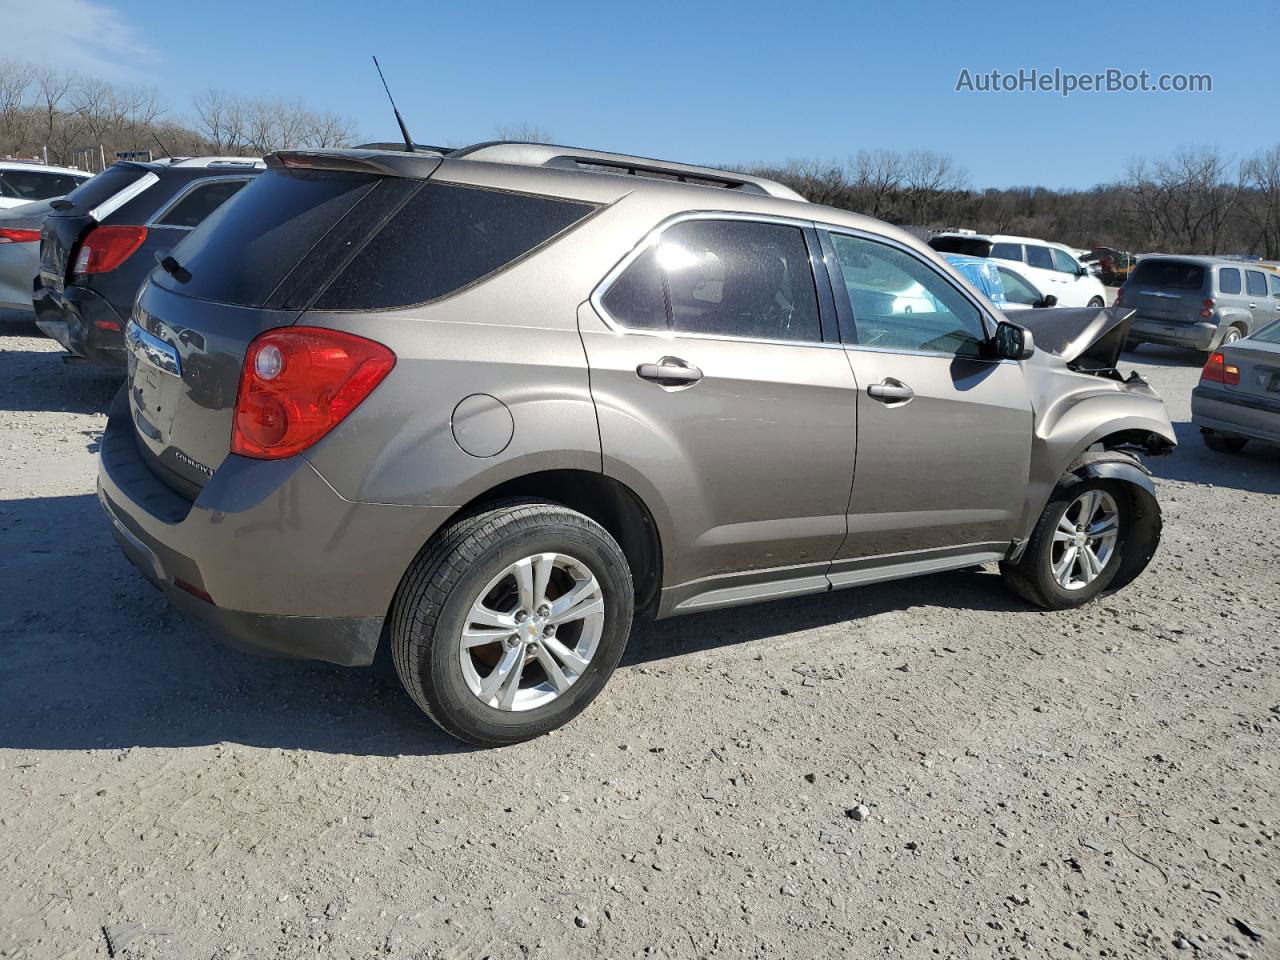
(487, 406)
(20, 253)
(1238, 398)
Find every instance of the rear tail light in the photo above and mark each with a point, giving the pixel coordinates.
(1206, 308)
(14, 235)
(1217, 370)
(298, 383)
(105, 248)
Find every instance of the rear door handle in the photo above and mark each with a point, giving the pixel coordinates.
(669, 371)
(890, 391)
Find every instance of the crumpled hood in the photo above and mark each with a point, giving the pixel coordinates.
(1084, 333)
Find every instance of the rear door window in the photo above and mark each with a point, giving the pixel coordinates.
(1229, 280)
(1039, 257)
(444, 238)
(1256, 283)
(1007, 251)
(1275, 285)
(190, 209)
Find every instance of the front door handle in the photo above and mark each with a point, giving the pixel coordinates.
(890, 391)
(669, 371)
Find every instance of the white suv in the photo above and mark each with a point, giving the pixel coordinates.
(1050, 266)
(25, 182)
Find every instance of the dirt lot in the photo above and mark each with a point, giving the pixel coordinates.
(1103, 783)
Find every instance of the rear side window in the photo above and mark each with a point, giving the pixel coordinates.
(1229, 280)
(245, 250)
(1039, 257)
(198, 202)
(29, 185)
(1256, 283)
(1007, 251)
(721, 278)
(104, 186)
(1169, 275)
(446, 237)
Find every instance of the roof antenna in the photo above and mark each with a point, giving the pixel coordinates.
(404, 131)
(156, 137)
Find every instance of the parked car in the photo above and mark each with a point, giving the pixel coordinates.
(1238, 398)
(1052, 267)
(1113, 266)
(496, 402)
(25, 182)
(20, 252)
(98, 244)
(1201, 303)
(1002, 285)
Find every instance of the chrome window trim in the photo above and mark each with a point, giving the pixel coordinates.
(189, 188)
(147, 346)
(602, 288)
(117, 200)
(984, 316)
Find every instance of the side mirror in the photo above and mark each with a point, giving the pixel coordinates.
(1011, 342)
(1048, 300)
(1082, 271)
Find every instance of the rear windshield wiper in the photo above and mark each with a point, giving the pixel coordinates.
(173, 267)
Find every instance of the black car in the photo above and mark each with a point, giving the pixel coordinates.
(101, 241)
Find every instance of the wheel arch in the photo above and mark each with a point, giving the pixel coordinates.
(1147, 522)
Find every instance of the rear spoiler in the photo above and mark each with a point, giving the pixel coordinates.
(379, 162)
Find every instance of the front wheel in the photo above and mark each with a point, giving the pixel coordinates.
(1096, 302)
(1077, 547)
(511, 621)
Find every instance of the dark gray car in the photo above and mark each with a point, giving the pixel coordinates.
(489, 405)
(20, 252)
(1238, 398)
(1199, 302)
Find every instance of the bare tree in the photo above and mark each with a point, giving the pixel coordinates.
(1260, 175)
(524, 132)
(16, 117)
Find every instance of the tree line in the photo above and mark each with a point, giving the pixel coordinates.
(74, 120)
(1195, 200)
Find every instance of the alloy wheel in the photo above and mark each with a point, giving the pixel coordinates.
(1085, 539)
(532, 631)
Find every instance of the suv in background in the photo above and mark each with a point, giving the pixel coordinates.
(98, 244)
(1051, 267)
(22, 182)
(1201, 303)
(492, 403)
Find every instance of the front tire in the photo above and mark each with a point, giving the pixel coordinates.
(511, 621)
(1222, 443)
(1077, 547)
(1096, 302)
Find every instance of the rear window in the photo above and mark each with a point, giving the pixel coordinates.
(245, 250)
(1169, 275)
(104, 186)
(444, 238)
(1268, 334)
(968, 246)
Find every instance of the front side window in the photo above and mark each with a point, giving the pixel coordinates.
(1256, 283)
(898, 302)
(1229, 280)
(721, 278)
(198, 202)
(1017, 290)
(1039, 257)
(1007, 251)
(1063, 263)
(1275, 286)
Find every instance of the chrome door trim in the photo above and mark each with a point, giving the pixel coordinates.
(117, 200)
(148, 347)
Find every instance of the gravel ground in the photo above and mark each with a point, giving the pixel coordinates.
(926, 768)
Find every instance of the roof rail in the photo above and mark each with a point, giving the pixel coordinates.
(595, 161)
(216, 162)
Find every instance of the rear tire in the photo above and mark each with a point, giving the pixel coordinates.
(552, 589)
(1054, 571)
(1232, 335)
(1223, 443)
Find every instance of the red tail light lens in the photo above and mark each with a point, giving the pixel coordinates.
(13, 235)
(1206, 309)
(297, 384)
(1217, 370)
(105, 248)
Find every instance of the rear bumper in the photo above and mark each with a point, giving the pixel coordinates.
(1244, 415)
(1195, 336)
(289, 567)
(82, 321)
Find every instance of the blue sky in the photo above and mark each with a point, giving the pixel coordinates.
(723, 83)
